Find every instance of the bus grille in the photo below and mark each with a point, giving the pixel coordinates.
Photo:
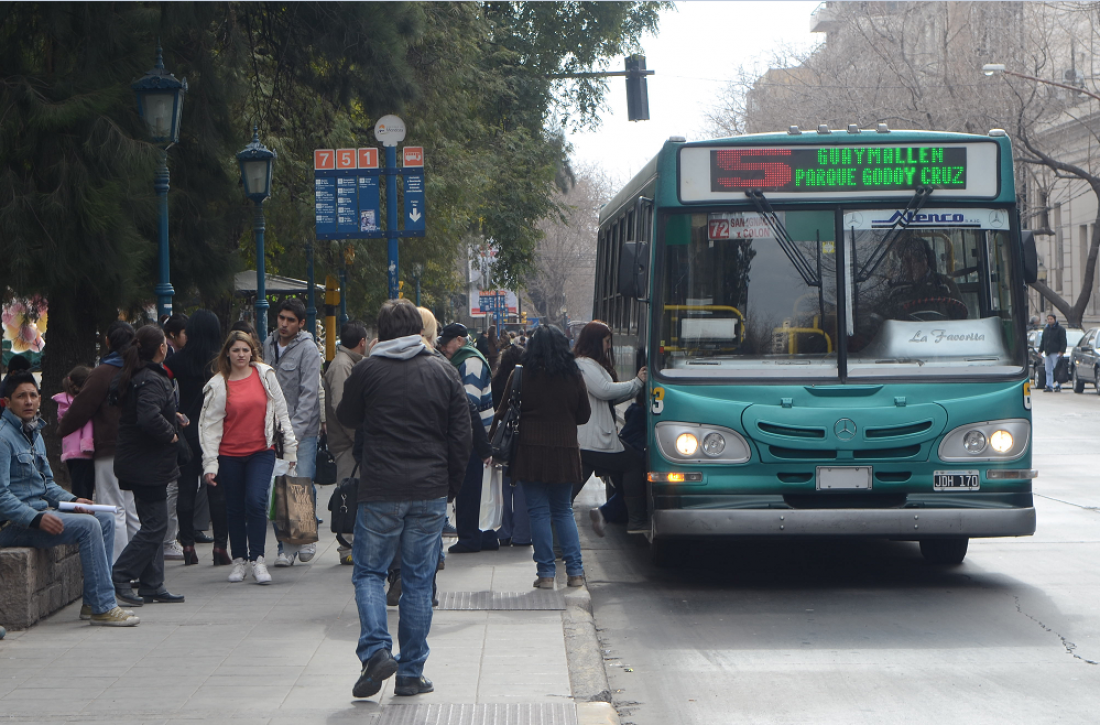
(791, 431)
(800, 454)
(898, 430)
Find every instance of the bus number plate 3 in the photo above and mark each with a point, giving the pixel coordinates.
(852, 478)
(955, 481)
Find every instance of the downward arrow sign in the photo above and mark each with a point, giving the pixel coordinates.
(415, 215)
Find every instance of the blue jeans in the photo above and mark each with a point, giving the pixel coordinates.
(247, 482)
(307, 468)
(548, 502)
(515, 524)
(380, 528)
(1051, 362)
(96, 538)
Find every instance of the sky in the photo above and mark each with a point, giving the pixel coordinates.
(696, 53)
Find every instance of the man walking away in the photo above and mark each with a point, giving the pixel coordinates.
(1052, 345)
(415, 420)
(297, 363)
(473, 368)
(29, 497)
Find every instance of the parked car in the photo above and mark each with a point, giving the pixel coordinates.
(1085, 359)
(1074, 335)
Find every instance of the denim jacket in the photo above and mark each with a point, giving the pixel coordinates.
(27, 487)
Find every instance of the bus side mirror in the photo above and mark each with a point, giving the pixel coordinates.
(1030, 256)
(634, 270)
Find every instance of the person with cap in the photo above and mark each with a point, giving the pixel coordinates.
(473, 368)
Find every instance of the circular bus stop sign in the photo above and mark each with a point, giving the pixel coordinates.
(389, 130)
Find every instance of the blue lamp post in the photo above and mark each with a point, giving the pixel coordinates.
(256, 162)
(160, 105)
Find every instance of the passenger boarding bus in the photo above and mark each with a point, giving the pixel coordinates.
(834, 325)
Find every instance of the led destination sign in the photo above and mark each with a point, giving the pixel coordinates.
(810, 169)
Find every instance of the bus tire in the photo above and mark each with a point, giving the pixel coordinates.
(667, 553)
(944, 552)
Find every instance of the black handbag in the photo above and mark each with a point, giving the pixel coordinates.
(506, 436)
(343, 507)
(325, 473)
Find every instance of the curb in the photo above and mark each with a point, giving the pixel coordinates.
(587, 676)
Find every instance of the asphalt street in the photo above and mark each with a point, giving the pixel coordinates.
(866, 631)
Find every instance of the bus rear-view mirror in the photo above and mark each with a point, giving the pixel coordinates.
(1030, 257)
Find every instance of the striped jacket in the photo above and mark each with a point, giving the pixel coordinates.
(477, 380)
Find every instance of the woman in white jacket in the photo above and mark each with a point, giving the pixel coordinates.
(242, 407)
(601, 449)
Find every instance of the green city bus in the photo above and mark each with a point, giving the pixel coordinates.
(834, 327)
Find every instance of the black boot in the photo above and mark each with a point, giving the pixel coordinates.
(637, 520)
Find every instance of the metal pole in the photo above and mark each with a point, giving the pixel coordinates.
(163, 289)
(343, 294)
(261, 273)
(418, 291)
(391, 219)
(311, 307)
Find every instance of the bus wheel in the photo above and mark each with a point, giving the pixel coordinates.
(667, 553)
(948, 552)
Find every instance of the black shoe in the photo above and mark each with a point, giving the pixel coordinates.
(162, 597)
(381, 666)
(412, 685)
(1047, 390)
(461, 549)
(125, 595)
(505, 542)
(201, 537)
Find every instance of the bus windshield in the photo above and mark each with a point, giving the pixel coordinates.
(742, 295)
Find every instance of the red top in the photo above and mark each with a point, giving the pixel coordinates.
(245, 412)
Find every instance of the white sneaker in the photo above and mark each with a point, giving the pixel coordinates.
(307, 552)
(283, 560)
(236, 574)
(173, 551)
(259, 571)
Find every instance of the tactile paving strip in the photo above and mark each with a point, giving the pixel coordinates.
(549, 713)
(483, 601)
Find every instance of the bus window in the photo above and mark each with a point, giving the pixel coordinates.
(736, 301)
(930, 300)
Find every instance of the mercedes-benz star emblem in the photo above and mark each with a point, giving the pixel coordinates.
(845, 429)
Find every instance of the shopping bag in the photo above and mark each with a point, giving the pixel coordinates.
(295, 517)
(492, 499)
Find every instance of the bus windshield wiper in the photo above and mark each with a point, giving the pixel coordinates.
(894, 232)
(801, 264)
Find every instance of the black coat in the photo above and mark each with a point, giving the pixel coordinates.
(416, 427)
(1053, 339)
(146, 455)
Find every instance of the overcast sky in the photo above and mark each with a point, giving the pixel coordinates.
(698, 50)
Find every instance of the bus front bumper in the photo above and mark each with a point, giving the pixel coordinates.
(906, 524)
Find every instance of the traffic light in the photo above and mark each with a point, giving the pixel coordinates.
(637, 92)
(523, 318)
(400, 290)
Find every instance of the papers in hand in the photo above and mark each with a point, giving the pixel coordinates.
(72, 506)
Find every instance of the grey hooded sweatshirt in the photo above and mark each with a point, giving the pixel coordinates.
(298, 370)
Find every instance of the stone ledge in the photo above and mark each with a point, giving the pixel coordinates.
(37, 583)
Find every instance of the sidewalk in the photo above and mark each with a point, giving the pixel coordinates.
(501, 652)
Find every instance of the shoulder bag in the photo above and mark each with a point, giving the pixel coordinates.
(325, 470)
(506, 437)
(344, 505)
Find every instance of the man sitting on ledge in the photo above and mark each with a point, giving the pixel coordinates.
(29, 497)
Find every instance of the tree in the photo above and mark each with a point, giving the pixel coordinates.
(917, 65)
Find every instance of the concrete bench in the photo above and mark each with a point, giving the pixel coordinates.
(35, 583)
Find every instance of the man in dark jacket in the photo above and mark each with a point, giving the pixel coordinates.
(1052, 345)
(416, 432)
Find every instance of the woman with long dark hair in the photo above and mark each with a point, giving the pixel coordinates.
(145, 463)
(515, 524)
(547, 463)
(192, 367)
(237, 427)
(601, 449)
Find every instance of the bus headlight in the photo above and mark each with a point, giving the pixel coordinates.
(700, 443)
(1001, 441)
(687, 444)
(714, 444)
(991, 440)
(974, 442)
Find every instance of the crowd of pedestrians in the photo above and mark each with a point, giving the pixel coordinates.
(184, 408)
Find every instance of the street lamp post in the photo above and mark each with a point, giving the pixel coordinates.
(160, 105)
(997, 69)
(417, 270)
(256, 162)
